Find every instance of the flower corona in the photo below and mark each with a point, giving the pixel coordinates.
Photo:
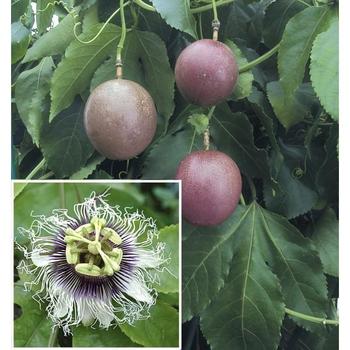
(96, 267)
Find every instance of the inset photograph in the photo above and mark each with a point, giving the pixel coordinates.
(96, 264)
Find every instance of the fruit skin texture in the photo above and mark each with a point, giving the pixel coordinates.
(211, 187)
(120, 119)
(206, 72)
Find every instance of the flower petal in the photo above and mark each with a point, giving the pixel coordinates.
(40, 260)
(137, 290)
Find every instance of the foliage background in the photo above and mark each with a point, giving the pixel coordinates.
(160, 201)
(279, 251)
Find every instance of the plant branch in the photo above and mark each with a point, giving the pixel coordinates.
(215, 12)
(36, 169)
(47, 175)
(193, 10)
(311, 318)
(259, 60)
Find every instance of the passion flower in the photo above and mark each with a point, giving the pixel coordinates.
(96, 267)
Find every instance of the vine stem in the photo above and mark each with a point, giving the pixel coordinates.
(47, 175)
(119, 71)
(36, 169)
(53, 337)
(311, 318)
(193, 10)
(260, 59)
(215, 11)
(241, 199)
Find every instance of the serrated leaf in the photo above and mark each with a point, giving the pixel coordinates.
(169, 278)
(165, 156)
(32, 89)
(113, 337)
(244, 84)
(146, 62)
(32, 328)
(88, 168)
(74, 72)
(18, 8)
(296, 44)
(294, 260)
(200, 122)
(232, 133)
(206, 257)
(44, 12)
(65, 144)
(248, 311)
(53, 42)
(20, 37)
(290, 111)
(160, 329)
(296, 193)
(327, 178)
(277, 15)
(324, 69)
(177, 14)
(326, 238)
(263, 111)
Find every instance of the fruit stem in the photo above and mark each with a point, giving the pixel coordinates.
(119, 63)
(36, 169)
(215, 23)
(260, 59)
(311, 318)
(206, 140)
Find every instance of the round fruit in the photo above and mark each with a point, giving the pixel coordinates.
(120, 119)
(206, 72)
(211, 187)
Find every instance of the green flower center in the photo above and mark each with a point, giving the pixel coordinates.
(91, 248)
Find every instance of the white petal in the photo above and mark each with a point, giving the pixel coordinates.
(148, 259)
(62, 306)
(104, 316)
(84, 312)
(137, 290)
(40, 260)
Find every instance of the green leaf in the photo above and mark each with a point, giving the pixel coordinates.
(327, 178)
(105, 72)
(232, 133)
(53, 42)
(296, 44)
(88, 168)
(169, 298)
(86, 336)
(206, 257)
(32, 328)
(18, 8)
(324, 69)
(65, 144)
(326, 238)
(248, 311)
(20, 37)
(160, 329)
(263, 111)
(165, 156)
(177, 14)
(244, 85)
(277, 16)
(32, 89)
(290, 111)
(169, 278)
(90, 17)
(30, 200)
(44, 12)
(200, 122)
(296, 193)
(294, 260)
(74, 72)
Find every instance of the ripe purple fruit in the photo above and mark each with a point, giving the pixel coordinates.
(206, 72)
(120, 119)
(211, 187)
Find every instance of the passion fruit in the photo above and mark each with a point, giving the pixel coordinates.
(206, 72)
(120, 119)
(211, 187)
